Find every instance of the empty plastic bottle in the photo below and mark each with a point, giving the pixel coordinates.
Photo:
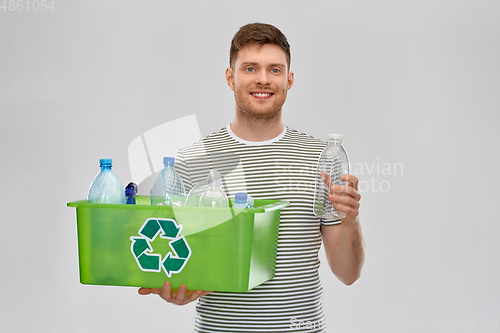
(168, 189)
(130, 193)
(193, 197)
(240, 200)
(333, 162)
(250, 201)
(214, 196)
(106, 188)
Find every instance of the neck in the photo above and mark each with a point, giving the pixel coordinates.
(257, 129)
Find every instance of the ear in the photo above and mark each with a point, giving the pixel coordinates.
(291, 77)
(230, 78)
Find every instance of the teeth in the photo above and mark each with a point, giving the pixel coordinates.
(261, 94)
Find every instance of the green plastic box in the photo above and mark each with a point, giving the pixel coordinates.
(216, 249)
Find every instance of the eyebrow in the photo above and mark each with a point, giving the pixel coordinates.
(249, 63)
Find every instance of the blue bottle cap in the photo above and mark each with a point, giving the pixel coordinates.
(133, 186)
(168, 160)
(240, 197)
(105, 161)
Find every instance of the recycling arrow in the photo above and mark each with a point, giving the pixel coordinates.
(139, 246)
(141, 250)
(170, 228)
(173, 263)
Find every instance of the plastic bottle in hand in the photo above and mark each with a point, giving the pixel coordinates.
(333, 162)
(130, 193)
(214, 196)
(168, 189)
(106, 188)
(240, 200)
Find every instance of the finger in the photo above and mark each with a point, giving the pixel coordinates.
(144, 291)
(205, 293)
(344, 200)
(147, 291)
(348, 211)
(348, 197)
(197, 294)
(325, 177)
(352, 180)
(345, 191)
(165, 292)
(194, 295)
(181, 295)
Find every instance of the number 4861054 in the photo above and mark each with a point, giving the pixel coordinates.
(27, 5)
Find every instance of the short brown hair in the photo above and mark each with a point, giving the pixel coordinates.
(258, 33)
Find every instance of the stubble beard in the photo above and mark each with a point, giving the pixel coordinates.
(247, 112)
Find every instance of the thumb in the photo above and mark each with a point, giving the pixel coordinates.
(325, 177)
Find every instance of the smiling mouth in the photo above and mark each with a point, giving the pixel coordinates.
(261, 94)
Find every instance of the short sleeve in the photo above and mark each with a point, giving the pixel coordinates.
(330, 222)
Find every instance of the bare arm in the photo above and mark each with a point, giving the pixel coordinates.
(344, 244)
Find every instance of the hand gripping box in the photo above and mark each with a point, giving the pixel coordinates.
(216, 249)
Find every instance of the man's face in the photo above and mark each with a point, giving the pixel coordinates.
(260, 80)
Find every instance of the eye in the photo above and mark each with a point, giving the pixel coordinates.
(275, 70)
(250, 69)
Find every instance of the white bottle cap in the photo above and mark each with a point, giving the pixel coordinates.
(335, 136)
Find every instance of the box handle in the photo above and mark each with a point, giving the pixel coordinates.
(273, 206)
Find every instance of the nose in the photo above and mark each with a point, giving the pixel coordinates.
(263, 78)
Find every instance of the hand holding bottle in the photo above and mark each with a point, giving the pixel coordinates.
(344, 198)
(334, 163)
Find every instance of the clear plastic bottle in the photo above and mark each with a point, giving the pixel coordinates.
(130, 193)
(334, 162)
(240, 200)
(193, 197)
(214, 196)
(168, 189)
(106, 188)
(250, 202)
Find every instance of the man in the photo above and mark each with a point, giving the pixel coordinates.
(276, 162)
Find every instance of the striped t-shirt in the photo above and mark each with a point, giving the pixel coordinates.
(279, 169)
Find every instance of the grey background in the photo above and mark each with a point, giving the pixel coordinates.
(414, 86)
